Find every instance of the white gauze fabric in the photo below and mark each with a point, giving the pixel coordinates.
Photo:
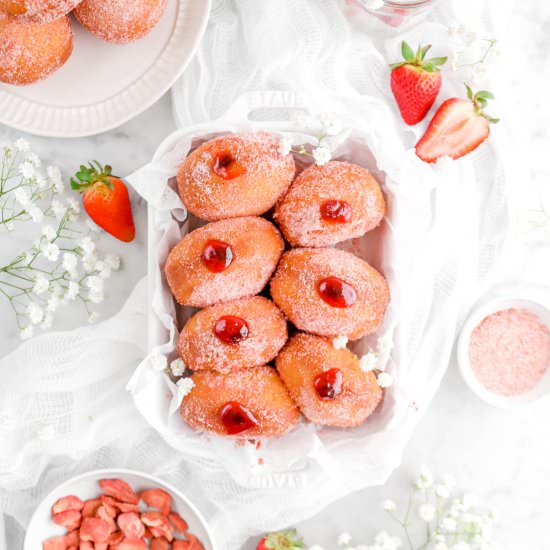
(333, 52)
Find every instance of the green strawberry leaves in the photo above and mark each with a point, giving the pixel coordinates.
(480, 101)
(91, 174)
(418, 58)
(284, 540)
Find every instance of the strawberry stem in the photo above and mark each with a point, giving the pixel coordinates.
(418, 59)
(90, 175)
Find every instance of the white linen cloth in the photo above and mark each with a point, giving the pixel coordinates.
(327, 48)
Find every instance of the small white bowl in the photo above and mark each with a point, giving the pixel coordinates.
(540, 391)
(85, 486)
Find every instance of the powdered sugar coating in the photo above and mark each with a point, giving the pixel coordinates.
(510, 351)
(267, 176)
(120, 21)
(260, 390)
(294, 290)
(201, 349)
(307, 356)
(298, 213)
(30, 52)
(39, 11)
(257, 247)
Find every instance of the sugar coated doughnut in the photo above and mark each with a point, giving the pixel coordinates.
(39, 11)
(235, 175)
(244, 333)
(30, 51)
(327, 383)
(328, 204)
(244, 403)
(330, 292)
(223, 261)
(120, 21)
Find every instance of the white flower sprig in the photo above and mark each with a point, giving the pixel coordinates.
(448, 523)
(472, 54)
(63, 264)
(324, 128)
(373, 360)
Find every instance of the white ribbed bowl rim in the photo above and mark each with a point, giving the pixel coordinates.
(77, 121)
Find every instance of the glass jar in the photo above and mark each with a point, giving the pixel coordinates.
(398, 13)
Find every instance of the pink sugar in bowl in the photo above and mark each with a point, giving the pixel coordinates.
(503, 350)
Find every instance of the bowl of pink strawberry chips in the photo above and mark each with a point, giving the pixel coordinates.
(117, 510)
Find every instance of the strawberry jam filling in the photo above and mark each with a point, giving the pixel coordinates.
(335, 211)
(328, 384)
(236, 418)
(227, 167)
(230, 329)
(336, 292)
(217, 255)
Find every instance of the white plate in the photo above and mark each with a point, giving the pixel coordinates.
(525, 301)
(103, 85)
(85, 486)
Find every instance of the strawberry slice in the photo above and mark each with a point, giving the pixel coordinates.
(119, 489)
(104, 514)
(55, 543)
(67, 503)
(282, 539)
(131, 544)
(94, 530)
(158, 525)
(415, 82)
(106, 200)
(70, 519)
(180, 545)
(157, 498)
(159, 544)
(194, 543)
(90, 507)
(115, 538)
(458, 127)
(130, 524)
(86, 545)
(180, 525)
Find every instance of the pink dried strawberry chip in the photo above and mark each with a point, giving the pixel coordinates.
(55, 543)
(72, 538)
(64, 504)
(115, 538)
(131, 525)
(158, 499)
(180, 545)
(180, 525)
(69, 519)
(131, 544)
(119, 489)
(110, 505)
(158, 525)
(104, 514)
(159, 544)
(95, 530)
(90, 507)
(86, 545)
(101, 546)
(194, 543)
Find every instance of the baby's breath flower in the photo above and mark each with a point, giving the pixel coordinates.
(425, 479)
(50, 251)
(74, 205)
(384, 380)
(340, 342)
(33, 158)
(442, 491)
(22, 196)
(332, 125)
(158, 362)
(344, 539)
(103, 269)
(10, 226)
(53, 303)
(285, 145)
(27, 332)
(177, 366)
(47, 321)
(41, 284)
(389, 505)
(368, 362)
(321, 155)
(27, 170)
(87, 246)
(70, 261)
(427, 512)
(49, 232)
(448, 524)
(113, 261)
(58, 209)
(36, 313)
(185, 385)
(72, 290)
(95, 283)
(94, 316)
(96, 296)
(35, 213)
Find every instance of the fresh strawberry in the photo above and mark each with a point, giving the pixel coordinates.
(458, 127)
(415, 82)
(106, 200)
(283, 540)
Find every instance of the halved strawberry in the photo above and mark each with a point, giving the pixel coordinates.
(457, 128)
(283, 540)
(415, 82)
(106, 200)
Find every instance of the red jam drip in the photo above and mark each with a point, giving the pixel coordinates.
(336, 211)
(236, 418)
(227, 167)
(217, 255)
(328, 384)
(336, 292)
(230, 329)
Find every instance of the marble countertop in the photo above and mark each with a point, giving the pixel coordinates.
(503, 456)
